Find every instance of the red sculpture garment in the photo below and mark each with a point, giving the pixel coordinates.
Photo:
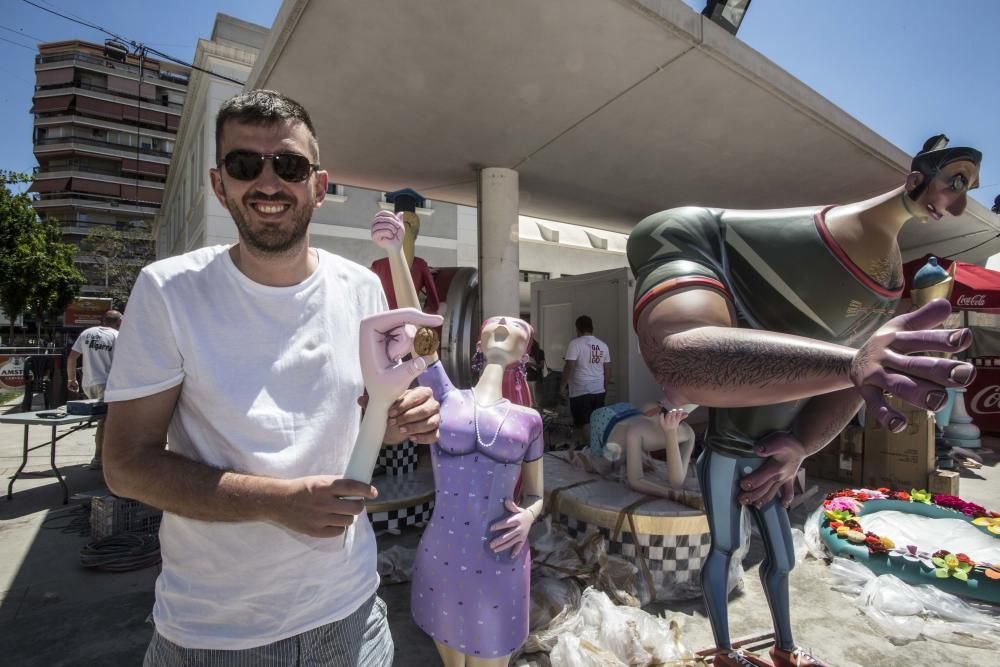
(423, 280)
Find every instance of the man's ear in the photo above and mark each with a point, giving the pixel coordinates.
(218, 187)
(913, 181)
(322, 181)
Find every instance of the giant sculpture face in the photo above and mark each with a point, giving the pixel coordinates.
(504, 340)
(946, 192)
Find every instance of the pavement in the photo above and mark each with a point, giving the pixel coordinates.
(54, 612)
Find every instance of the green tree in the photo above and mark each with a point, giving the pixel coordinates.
(120, 256)
(37, 274)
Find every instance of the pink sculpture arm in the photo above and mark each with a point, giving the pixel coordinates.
(385, 339)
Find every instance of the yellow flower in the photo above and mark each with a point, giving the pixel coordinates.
(889, 544)
(991, 524)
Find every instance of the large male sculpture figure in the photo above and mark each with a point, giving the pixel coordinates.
(780, 322)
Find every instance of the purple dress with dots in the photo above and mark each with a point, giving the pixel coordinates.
(462, 594)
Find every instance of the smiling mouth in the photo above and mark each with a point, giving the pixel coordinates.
(270, 208)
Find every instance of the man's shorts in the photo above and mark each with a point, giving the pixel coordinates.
(362, 638)
(94, 391)
(581, 407)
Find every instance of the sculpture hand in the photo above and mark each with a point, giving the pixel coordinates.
(385, 338)
(516, 526)
(785, 454)
(388, 230)
(671, 420)
(882, 364)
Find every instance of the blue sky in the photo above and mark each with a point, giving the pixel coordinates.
(908, 69)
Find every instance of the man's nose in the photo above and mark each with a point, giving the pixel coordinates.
(268, 181)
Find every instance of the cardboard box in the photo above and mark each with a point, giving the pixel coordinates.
(899, 460)
(841, 459)
(944, 482)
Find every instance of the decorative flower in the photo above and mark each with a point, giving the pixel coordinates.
(842, 516)
(991, 570)
(956, 503)
(912, 554)
(884, 491)
(920, 496)
(991, 524)
(947, 564)
(855, 536)
(874, 544)
(843, 504)
(901, 495)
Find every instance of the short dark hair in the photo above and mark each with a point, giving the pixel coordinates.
(584, 324)
(261, 107)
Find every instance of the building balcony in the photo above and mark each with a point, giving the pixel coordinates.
(166, 78)
(115, 95)
(91, 145)
(61, 119)
(107, 175)
(67, 200)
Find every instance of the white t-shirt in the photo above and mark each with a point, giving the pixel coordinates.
(96, 346)
(271, 378)
(590, 354)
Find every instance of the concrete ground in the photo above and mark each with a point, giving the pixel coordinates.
(53, 612)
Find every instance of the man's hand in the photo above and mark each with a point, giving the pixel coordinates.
(882, 364)
(415, 416)
(318, 505)
(388, 230)
(73, 386)
(785, 454)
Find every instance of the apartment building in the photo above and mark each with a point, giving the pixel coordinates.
(105, 127)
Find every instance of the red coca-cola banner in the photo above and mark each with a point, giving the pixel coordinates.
(982, 397)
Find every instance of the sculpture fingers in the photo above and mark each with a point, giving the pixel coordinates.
(951, 341)
(892, 419)
(928, 316)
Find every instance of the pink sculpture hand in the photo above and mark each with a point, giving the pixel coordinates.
(516, 526)
(884, 363)
(385, 339)
(388, 230)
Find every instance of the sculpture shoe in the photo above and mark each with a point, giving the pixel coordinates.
(738, 658)
(799, 657)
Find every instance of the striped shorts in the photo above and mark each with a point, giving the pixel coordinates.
(360, 640)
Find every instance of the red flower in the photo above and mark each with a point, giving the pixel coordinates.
(862, 497)
(874, 544)
(962, 558)
(901, 495)
(883, 490)
(834, 525)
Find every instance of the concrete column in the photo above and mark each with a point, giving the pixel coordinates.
(498, 237)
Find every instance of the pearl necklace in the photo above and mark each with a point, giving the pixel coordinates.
(475, 418)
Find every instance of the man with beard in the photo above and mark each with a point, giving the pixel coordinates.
(779, 321)
(246, 359)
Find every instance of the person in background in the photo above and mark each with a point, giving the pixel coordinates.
(96, 346)
(585, 376)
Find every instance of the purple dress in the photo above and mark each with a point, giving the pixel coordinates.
(462, 594)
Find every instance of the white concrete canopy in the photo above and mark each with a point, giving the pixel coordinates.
(609, 110)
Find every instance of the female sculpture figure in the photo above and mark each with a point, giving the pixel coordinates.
(472, 572)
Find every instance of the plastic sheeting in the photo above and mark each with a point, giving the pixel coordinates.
(904, 613)
(954, 535)
(600, 634)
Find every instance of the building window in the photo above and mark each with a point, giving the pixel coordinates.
(533, 276)
(335, 191)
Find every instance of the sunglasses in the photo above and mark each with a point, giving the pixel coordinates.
(247, 165)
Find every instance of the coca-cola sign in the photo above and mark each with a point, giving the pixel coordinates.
(971, 301)
(986, 400)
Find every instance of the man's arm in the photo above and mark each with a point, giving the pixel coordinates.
(71, 382)
(567, 372)
(137, 465)
(607, 374)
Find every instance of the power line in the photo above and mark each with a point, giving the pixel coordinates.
(22, 34)
(30, 48)
(137, 46)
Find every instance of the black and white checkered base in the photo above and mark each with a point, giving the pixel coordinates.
(395, 520)
(399, 459)
(674, 561)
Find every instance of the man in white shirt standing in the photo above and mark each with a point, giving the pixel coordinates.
(96, 346)
(233, 406)
(585, 376)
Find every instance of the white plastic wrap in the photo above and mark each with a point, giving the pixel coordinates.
(904, 613)
(598, 628)
(927, 534)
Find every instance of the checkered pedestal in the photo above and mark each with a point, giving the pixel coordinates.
(398, 459)
(394, 520)
(403, 500)
(674, 561)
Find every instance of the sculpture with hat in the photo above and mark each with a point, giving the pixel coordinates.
(406, 202)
